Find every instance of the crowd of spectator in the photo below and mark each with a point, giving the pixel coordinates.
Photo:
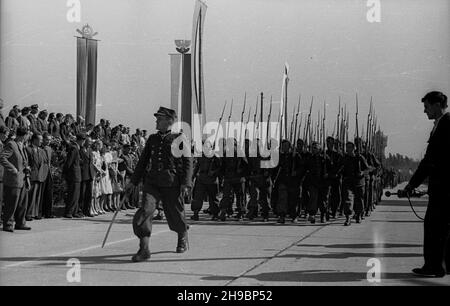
(48, 160)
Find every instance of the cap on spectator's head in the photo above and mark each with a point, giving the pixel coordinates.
(26, 109)
(69, 116)
(21, 131)
(4, 129)
(44, 111)
(34, 106)
(166, 112)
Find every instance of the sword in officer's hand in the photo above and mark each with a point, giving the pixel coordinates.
(114, 217)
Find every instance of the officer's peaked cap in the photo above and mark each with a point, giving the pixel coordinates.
(166, 112)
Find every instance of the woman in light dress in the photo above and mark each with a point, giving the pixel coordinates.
(115, 176)
(96, 186)
(105, 183)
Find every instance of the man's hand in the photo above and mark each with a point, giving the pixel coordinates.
(185, 191)
(408, 189)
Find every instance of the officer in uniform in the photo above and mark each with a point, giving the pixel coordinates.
(168, 180)
(282, 176)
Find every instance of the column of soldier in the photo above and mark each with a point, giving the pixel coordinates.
(45, 159)
(318, 175)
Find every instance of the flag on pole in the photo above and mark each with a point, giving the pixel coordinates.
(198, 93)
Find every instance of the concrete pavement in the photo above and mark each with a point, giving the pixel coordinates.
(223, 253)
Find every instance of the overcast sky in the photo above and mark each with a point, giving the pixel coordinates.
(330, 46)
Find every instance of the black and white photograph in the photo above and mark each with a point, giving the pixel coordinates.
(224, 148)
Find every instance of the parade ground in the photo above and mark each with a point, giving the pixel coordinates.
(226, 253)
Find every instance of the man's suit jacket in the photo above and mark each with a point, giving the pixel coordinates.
(1, 167)
(41, 125)
(64, 131)
(88, 169)
(72, 168)
(436, 163)
(14, 161)
(2, 120)
(47, 156)
(33, 123)
(36, 163)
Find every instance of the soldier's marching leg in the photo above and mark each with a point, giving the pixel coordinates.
(253, 202)
(305, 197)
(324, 194)
(358, 204)
(313, 203)
(197, 200)
(282, 204)
(227, 198)
(173, 204)
(294, 197)
(142, 224)
(263, 199)
(238, 189)
(335, 197)
(347, 203)
(213, 190)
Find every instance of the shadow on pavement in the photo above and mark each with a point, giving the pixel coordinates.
(346, 255)
(364, 245)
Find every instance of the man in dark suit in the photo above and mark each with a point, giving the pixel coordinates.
(3, 136)
(436, 166)
(32, 117)
(15, 163)
(42, 124)
(65, 128)
(87, 177)
(167, 178)
(47, 189)
(72, 175)
(35, 162)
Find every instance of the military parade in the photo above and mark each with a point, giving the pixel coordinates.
(267, 154)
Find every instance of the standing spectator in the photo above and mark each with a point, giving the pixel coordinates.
(47, 188)
(3, 136)
(101, 130)
(42, 124)
(88, 173)
(32, 117)
(65, 128)
(23, 119)
(97, 188)
(15, 163)
(35, 162)
(2, 120)
(107, 129)
(144, 134)
(106, 186)
(125, 137)
(115, 177)
(11, 121)
(72, 175)
(126, 168)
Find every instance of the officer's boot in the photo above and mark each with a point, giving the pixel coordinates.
(195, 216)
(347, 220)
(322, 217)
(182, 242)
(223, 215)
(144, 253)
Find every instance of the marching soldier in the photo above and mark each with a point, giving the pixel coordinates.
(168, 180)
(353, 183)
(206, 174)
(319, 190)
(234, 171)
(334, 176)
(258, 186)
(298, 173)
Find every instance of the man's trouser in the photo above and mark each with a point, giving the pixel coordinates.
(200, 191)
(15, 205)
(173, 206)
(353, 198)
(258, 189)
(231, 188)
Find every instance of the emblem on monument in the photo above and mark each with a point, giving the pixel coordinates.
(182, 45)
(87, 31)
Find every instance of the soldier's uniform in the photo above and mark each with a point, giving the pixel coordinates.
(162, 182)
(233, 171)
(206, 184)
(258, 186)
(353, 185)
(280, 194)
(334, 180)
(319, 190)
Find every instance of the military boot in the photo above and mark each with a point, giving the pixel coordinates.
(144, 253)
(195, 216)
(182, 242)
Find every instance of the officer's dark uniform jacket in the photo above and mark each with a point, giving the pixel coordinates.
(335, 165)
(234, 169)
(166, 170)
